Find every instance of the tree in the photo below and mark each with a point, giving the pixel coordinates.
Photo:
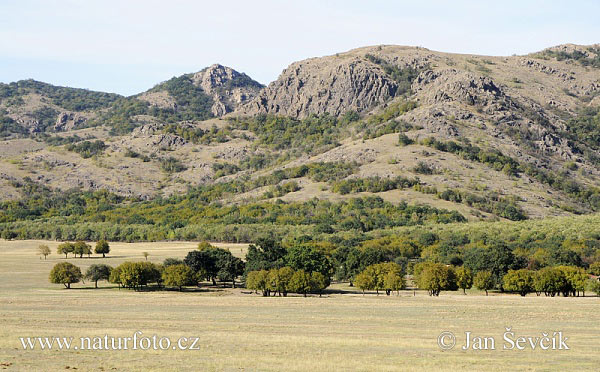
(309, 259)
(387, 275)
(115, 276)
(65, 273)
(464, 278)
(266, 254)
(278, 280)
(137, 274)
(318, 282)
(435, 277)
(102, 247)
(98, 272)
(484, 281)
(300, 282)
(65, 248)
(258, 281)
(203, 263)
(520, 281)
(594, 268)
(230, 267)
(394, 282)
(44, 250)
(549, 280)
(145, 254)
(593, 285)
(576, 279)
(178, 276)
(365, 281)
(80, 248)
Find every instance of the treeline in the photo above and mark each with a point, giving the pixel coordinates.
(69, 98)
(589, 196)
(492, 203)
(373, 184)
(312, 135)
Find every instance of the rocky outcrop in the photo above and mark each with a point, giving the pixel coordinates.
(228, 88)
(324, 85)
(69, 120)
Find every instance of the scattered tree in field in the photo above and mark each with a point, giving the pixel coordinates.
(365, 281)
(65, 248)
(98, 272)
(80, 248)
(137, 274)
(278, 280)
(318, 282)
(576, 278)
(178, 276)
(435, 277)
(204, 246)
(258, 281)
(386, 276)
(115, 276)
(65, 273)
(102, 247)
(550, 281)
(145, 254)
(300, 282)
(230, 267)
(464, 279)
(44, 250)
(520, 281)
(484, 281)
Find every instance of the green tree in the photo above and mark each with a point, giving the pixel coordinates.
(394, 282)
(80, 248)
(318, 282)
(178, 276)
(576, 279)
(484, 281)
(520, 281)
(309, 259)
(65, 273)
(435, 277)
(98, 272)
(300, 282)
(65, 248)
(258, 281)
(550, 280)
(102, 247)
(366, 280)
(44, 250)
(594, 268)
(278, 280)
(593, 285)
(464, 278)
(230, 267)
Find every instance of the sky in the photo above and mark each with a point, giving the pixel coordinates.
(128, 46)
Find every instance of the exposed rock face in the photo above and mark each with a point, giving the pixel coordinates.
(227, 87)
(69, 120)
(325, 85)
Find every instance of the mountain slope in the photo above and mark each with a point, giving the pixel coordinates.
(489, 137)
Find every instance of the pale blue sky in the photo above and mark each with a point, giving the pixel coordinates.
(127, 46)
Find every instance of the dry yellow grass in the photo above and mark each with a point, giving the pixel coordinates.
(242, 331)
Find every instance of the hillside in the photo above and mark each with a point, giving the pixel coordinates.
(488, 137)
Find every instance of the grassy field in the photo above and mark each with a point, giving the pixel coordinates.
(242, 331)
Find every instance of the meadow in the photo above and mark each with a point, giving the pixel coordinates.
(239, 330)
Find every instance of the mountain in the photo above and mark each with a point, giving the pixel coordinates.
(488, 137)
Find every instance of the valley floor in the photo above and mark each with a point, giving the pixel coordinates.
(242, 331)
